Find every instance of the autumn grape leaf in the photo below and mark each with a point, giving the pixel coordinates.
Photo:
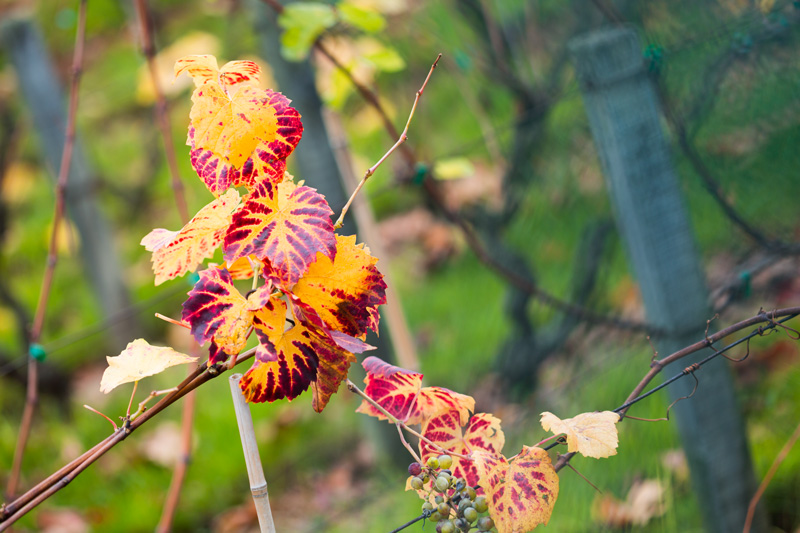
(239, 133)
(216, 310)
(522, 492)
(286, 359)
(334, 364)
(137, 361)
(483, 433)
(285, 224)
(176, 253)
(399, 392)
(590, 434)
(342, 294)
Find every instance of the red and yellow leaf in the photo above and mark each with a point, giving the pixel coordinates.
(175, 253)
(286, 359)
(285, 224)
(334, 364)
(521, 493)
(139, 360)
(216, 310)
(483, 433)
(589, 434)
(399, 392)
(238, 131)
(344, 292)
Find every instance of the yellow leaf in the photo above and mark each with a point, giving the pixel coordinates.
(138, 361)
(590, 434)
(175, 253)
(521, 493)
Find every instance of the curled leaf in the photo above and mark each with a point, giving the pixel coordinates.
(176, 253)
(139, 360)
(590, 434)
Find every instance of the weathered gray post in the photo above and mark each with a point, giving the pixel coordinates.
(624, 116)
(42, 92)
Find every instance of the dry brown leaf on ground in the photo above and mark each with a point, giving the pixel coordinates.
(644, 502)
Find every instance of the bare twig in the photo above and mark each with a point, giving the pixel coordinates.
(161, 109)
(658, 365)
(400, 140)
(751, 509)
(31, 396)
(92, 409)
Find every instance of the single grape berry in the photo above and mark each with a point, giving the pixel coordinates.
(463, 504)
(416, 483)
(469, 492)
(481, 505)
(414, 469)
(445, 526)
(444, 509)
(441, 484)
(445, 461)
(433, 462)
(427, 506)
(435, 517)
(461, 524)
(485, 523)
(470, 514)
(438, 499)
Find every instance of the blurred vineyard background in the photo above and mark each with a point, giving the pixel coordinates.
(503, 131)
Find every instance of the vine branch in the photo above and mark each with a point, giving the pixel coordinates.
(32, 393)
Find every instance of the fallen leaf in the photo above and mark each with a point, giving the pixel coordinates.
(644, 502)
(138, 361)
(590, 434)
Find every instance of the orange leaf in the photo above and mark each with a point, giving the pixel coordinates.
(483, 433)
(138, 361)
(399, 392)
(176, 253)
(287, 360)
(285, 224)
(342, 294)
(216, 310)
(521, 493)
(590, 434)
(238, 131)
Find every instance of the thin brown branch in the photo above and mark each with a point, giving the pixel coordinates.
(400, 140)
(32, 394)
(161, 108)
(92, 409)
(658, 365)
(751, 509)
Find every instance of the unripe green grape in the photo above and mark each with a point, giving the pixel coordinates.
(463, 504)
(427, 506)
(485, 523)
(470, 514)
(469, 493)
(435, 517)
(444, 509)
(445, 461)
(438, 499)
(481, 505)
(441, 484)
(416, 483)
(425, 477)
(433, 462)
(445, 526)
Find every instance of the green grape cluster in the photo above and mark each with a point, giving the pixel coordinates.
(456, 506)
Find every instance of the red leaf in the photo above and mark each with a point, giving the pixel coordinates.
(284, 223)
(216, 310)
(399, 392)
